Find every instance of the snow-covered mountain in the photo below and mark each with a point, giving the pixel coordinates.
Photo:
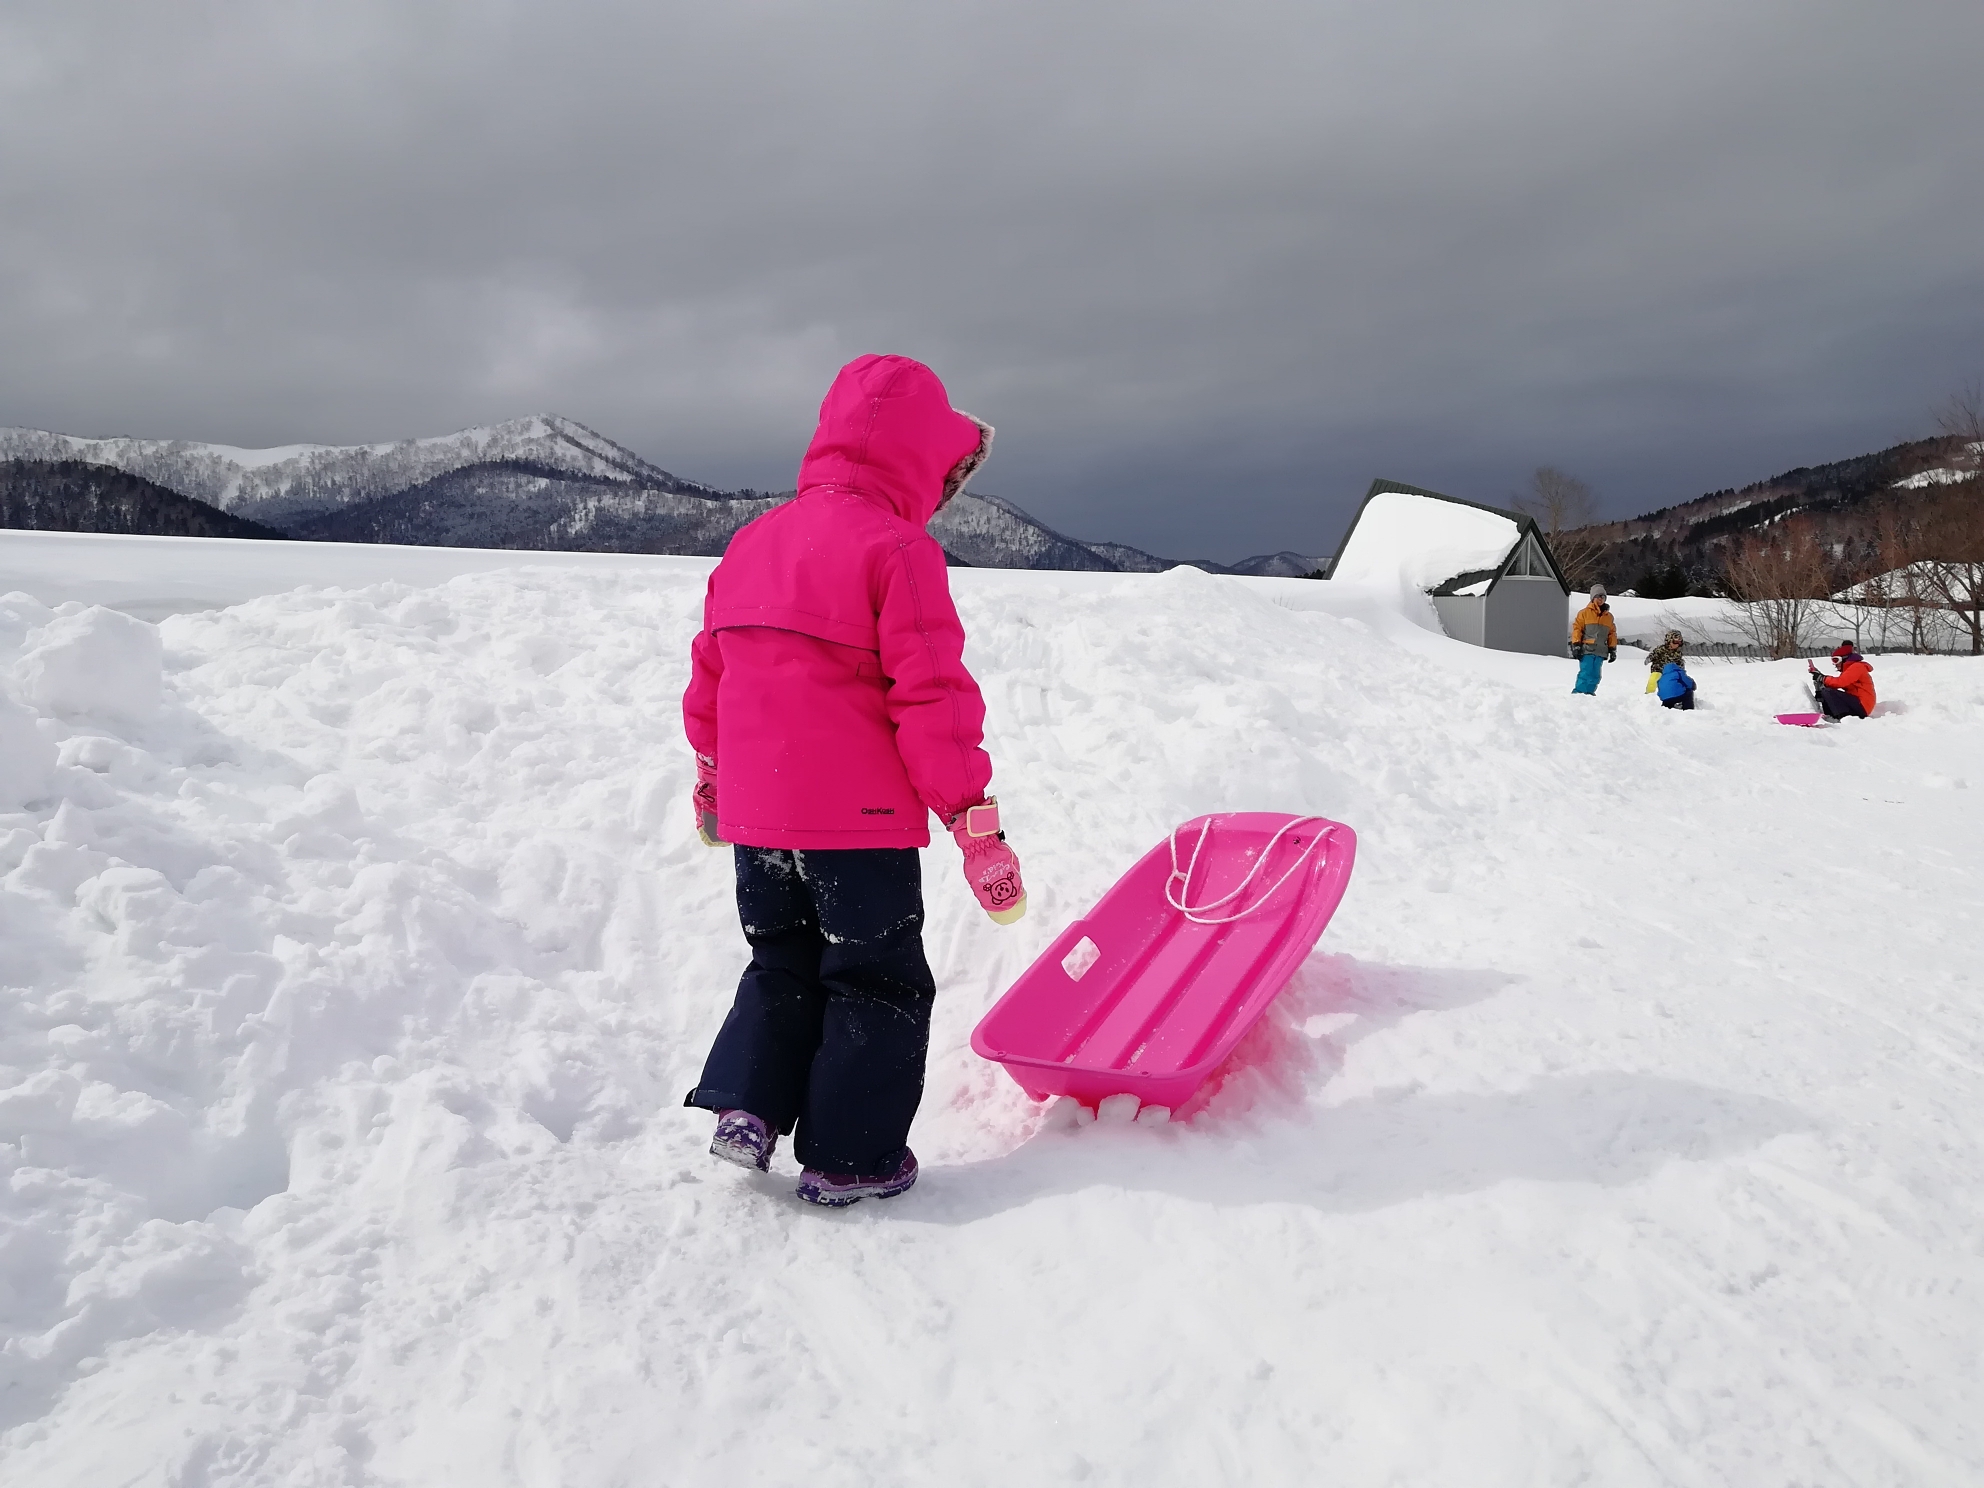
(1282, 565)
(287, 485)
(991, 532)
(543, 482)
(513, 504)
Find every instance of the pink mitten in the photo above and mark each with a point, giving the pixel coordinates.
(990, 867)
(705, 801)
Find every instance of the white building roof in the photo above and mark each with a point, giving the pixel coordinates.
(1423, 541)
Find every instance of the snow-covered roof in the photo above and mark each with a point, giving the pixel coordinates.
(1426, 540)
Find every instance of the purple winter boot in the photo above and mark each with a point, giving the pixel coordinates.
(743, 1139)
(836, 1190)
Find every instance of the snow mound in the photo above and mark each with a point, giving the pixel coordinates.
(92, 662)
(27, 760)
(346, 1007)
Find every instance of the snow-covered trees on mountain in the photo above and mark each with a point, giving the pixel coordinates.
(539, 482)
(74, 496)
(1686, 548)
(287, 485)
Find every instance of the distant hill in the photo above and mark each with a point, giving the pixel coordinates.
(1680, 549)
(1282, 565)
(74, 496)
(542, 482)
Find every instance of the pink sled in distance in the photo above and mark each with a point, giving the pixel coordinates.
(1801, 720)
(1140, 998)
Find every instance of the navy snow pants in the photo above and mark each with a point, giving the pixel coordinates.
(1839, 703)
(832, 1017)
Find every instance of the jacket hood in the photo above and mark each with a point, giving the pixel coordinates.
(888, 432)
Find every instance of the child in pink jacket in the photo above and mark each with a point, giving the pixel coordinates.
(830, 711)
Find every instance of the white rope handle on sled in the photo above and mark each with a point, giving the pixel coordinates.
(1182, 877)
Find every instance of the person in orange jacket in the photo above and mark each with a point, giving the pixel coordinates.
(1851, 693)
(1594, 640)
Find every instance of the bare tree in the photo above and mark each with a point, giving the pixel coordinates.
(1694, 631)
(1896, 586)
(1910, 589)
(1782, 577)
(1868, 624)
(1962, 417)
(1950, 527)
(1882, 606)
(1952, 575)
(1561, 505)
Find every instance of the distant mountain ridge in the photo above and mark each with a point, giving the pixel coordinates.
(524, 504)
(291, 483)
(541, 482)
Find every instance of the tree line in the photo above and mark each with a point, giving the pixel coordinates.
(75, 496)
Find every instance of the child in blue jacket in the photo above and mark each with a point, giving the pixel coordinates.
(1676, 687)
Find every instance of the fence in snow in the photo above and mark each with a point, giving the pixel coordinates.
(1745, 651)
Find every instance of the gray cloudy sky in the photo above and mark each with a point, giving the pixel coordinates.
(1209, 267)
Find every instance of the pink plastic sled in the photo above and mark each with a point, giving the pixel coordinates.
(1150, 992)
(1802, 720)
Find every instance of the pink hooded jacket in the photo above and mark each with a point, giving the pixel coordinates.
(828, 681)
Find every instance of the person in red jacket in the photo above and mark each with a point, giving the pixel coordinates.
(830, 712)
(1851, 693)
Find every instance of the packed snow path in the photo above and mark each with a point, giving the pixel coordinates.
(356, 951)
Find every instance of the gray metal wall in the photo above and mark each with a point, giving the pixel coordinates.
(1523, 615)
(1460, 616)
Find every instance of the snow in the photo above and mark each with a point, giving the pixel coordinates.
(1646, 621)
(1626, 1126)
(1421, 542)
(1940, 477)
(257, 459)
(1914, 577)
(1888, 582)
(153, 577)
